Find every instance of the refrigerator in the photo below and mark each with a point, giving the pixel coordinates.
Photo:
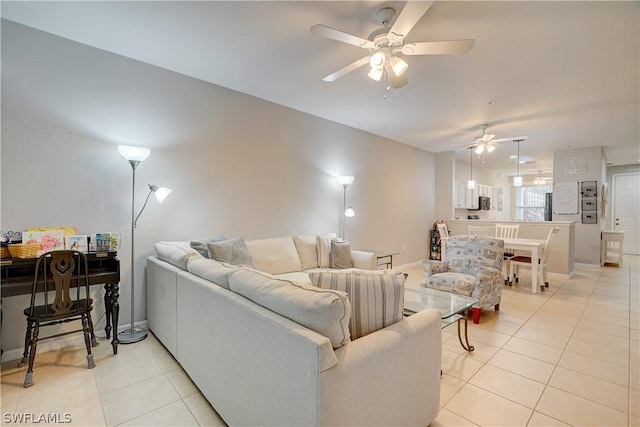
(548, 208)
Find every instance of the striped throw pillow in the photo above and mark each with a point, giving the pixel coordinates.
(324, 249)
(377, 300)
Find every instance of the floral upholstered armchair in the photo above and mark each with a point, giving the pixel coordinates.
(472, 266)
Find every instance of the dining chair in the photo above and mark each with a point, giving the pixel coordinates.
(525, 261)
(481, 231)
(57, 275)
(507, 231)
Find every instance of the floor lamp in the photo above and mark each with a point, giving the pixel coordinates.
(347, 212)
(136, 155)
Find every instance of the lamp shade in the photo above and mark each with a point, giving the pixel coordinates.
(471, 184)
(349, 212)
(162, 193)
(345, 179)
(134, 153)
(517, 181)
(398, 66)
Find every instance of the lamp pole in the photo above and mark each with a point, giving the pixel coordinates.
(131, 335)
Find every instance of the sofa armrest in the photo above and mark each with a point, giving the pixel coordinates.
(364, 260)
(392, 375)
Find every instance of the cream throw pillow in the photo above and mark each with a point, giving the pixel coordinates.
(322, 310)
(307, 249)
(377, 300)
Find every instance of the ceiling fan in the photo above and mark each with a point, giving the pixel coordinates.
(386, 45)
(488, 142)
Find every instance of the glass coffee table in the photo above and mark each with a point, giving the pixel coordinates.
(452, 307)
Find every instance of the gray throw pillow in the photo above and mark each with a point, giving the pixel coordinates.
(341, 254)
(232, 251)
(200, 245)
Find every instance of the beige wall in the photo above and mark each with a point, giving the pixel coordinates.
(237, 164)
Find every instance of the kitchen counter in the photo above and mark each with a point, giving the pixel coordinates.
(562, 256)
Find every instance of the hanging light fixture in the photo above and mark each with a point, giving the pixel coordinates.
(517, 180)
(471, 184)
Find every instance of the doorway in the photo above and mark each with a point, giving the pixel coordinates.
(626, 210)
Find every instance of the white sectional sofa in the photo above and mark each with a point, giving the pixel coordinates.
(231, 329)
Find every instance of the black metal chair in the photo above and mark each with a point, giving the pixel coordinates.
(58, 272)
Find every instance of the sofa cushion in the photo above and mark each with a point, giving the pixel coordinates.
(377, 299)
(233, 251)
(341, 254)
(322, 310)
(176, 253)
(212, 270)
(323, 241)
(307, 249)
(457, 283)
(275, 255)
(200, 245)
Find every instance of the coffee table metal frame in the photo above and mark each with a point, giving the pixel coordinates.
(452, 307)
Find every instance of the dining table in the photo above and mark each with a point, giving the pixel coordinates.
(533, 246)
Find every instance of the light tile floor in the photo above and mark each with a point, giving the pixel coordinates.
(568, 356)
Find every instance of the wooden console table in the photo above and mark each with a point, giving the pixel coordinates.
(104, 268)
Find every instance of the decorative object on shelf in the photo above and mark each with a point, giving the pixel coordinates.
(517, 180)
(76, 243)
(471, 184)
(48, 240)
(136, 155)
(24, 250)
(348, 212)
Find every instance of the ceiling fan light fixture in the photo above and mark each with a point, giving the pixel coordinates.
(377, 61)
(479, 149)
(490, 148)
(398, 66)
(375, 74)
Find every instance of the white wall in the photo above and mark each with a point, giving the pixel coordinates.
(236, 164)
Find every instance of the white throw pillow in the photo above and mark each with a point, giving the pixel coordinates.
(322, 310)
(212, 270)
(307, 249)
(324, 249)
(176, 253)
(377, 299)
(275, 255)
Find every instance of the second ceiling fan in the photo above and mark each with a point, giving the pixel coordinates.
(386, 45)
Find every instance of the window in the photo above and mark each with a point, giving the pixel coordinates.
(530, 202)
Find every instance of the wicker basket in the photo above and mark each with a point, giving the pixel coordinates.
(24, 250)
(4, 252)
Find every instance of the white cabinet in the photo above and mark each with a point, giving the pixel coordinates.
(468, 199)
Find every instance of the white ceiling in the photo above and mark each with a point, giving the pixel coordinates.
(565, 74)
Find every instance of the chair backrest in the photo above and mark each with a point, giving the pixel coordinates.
(547, 244)
(442, 230)
(465, 254)
(60, 271)
(481, 231)
(507, 231)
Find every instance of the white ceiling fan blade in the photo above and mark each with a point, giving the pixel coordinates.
(346, 70)
(446, 47)
(341, 36)
(396, 81)
(409, 17)
(512, 139)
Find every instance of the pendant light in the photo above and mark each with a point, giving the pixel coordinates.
(517, 180)
(471, 184)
